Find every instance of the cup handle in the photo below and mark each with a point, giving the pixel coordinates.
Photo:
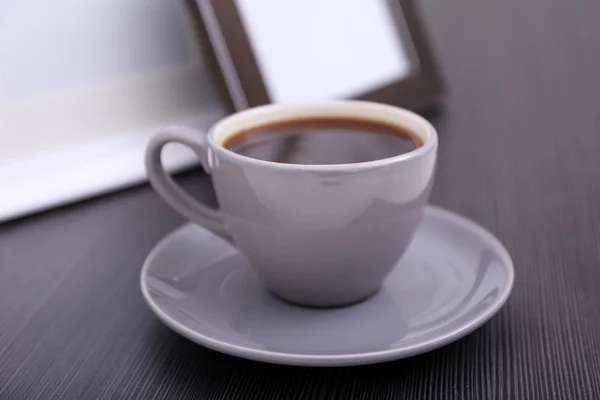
(177, 198)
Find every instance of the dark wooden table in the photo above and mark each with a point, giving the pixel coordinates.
(519, 153)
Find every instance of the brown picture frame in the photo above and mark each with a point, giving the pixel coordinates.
(240, 75)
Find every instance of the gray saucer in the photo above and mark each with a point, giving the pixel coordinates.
(453, 278)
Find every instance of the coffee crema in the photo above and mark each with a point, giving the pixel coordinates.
(317, 141)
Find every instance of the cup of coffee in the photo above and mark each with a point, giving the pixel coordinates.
(322, 198)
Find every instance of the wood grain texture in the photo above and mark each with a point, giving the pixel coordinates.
(519, 153)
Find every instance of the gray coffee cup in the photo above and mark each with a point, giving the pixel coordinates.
(319, 235)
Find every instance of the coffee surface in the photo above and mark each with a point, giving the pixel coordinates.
(323, 141)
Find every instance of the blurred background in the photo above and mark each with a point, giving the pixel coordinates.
(84, 84)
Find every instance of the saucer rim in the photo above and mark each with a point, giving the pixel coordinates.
(353, 359)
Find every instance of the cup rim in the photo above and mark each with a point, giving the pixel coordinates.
(430, 140)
